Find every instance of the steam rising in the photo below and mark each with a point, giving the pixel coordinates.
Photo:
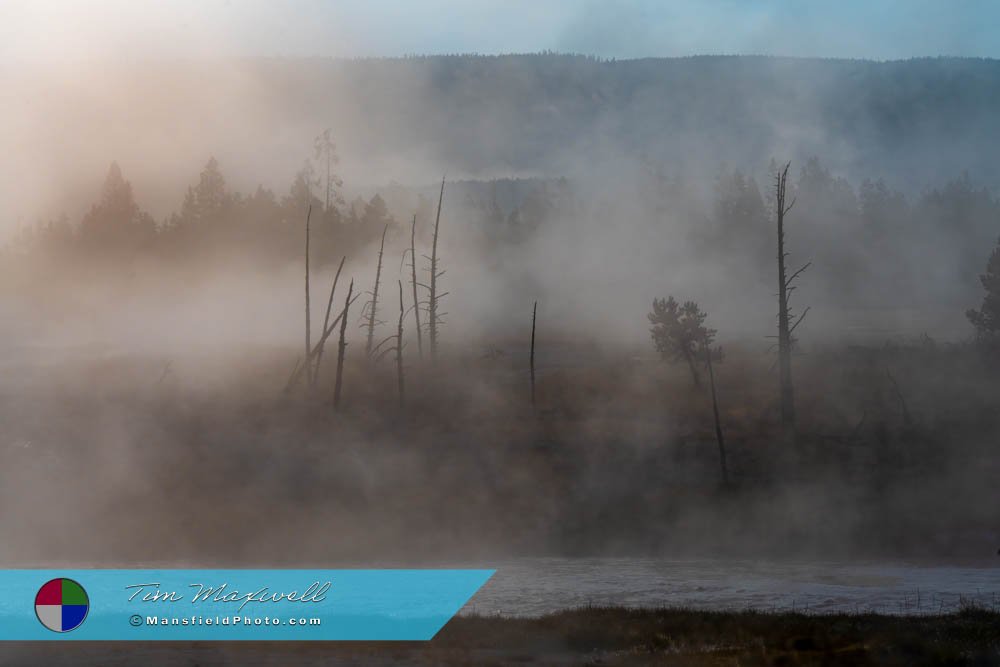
(154, 379)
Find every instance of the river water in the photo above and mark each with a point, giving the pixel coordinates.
(529, 587)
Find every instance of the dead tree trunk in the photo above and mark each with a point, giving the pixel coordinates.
(295, 374)
(432, 305)
(379, 352)
(326, 321)
(373, 304)
(785, 325)
(715, 414)
(413, 282)
(318, 347)
(534, 314)
(399, 349)
(308, 325)
(341, 347)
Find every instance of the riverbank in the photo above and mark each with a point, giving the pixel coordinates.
(618, 636)
(606, 636)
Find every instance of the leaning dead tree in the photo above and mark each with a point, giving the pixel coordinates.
(308, 325)
(372, 306)
(413, 283)
(534, 313)
(381, 351)
(326, 321)
(433, 312)
(786, 327)
(317, 350)
(341, 347)
(294, 375)
(399, 350)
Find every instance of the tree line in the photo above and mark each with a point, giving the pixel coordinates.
(214, 219)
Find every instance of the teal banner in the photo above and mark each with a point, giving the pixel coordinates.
(264, 605)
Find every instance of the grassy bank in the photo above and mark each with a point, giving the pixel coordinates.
(605, 636)
(685, 637)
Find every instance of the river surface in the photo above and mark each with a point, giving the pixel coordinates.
(529, 587)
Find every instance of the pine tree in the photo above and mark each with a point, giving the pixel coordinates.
(679, 331)
(116, 222)
(209, 200)
(986, 320)
(326, 152)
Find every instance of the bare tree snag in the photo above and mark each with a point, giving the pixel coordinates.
(341, 347)
(381, 350)
(534, 313)
(785, 324)
(295, 374)
(326, 322)
(319, 346)
(308, 325)
(373, 304)
(413, 282)
(432, 305)
(715, 413)
(399, 349)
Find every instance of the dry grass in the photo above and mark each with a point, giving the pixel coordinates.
(604, 636)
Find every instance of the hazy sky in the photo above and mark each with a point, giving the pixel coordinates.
(67, 29)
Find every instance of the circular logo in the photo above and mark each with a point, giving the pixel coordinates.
(61, 605)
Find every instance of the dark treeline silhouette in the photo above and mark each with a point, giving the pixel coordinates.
(868, 243)
(213, 220)
(870, 443)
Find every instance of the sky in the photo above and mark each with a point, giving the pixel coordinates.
(57, 30)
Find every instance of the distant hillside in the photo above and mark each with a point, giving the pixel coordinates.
(914, 123)
(910, 121)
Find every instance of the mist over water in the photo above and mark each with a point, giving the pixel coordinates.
(148, 335)
(536, 586)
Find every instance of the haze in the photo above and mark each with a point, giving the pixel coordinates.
(164, 166)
